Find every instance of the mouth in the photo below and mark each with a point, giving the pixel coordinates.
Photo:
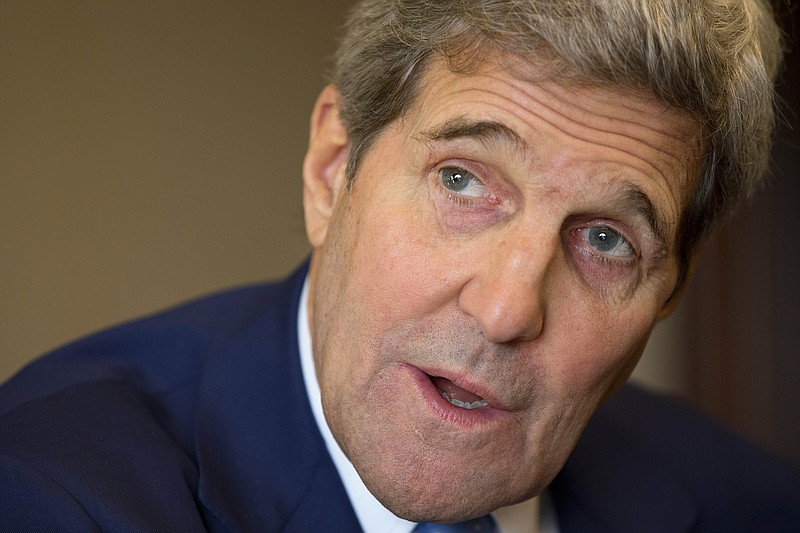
(456, 395)
(456, 400)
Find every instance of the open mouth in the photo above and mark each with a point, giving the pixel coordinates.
(456, 395)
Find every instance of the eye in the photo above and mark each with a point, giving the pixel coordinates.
(607, 241)
(462, 182)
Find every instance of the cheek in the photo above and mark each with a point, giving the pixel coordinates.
(397, 275)
(372, 279)
(600, 354)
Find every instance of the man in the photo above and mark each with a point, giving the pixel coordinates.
(502, 198)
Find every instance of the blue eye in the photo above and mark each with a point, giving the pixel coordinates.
(608, 241)
(461, 181)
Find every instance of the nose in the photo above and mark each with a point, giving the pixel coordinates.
(506, 292)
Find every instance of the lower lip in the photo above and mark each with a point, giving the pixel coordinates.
(459, 416)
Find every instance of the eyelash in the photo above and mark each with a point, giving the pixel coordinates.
(578, 237)
(454, 196)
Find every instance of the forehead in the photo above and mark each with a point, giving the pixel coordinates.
(553, 120)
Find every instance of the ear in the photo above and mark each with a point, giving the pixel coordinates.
(324, 165)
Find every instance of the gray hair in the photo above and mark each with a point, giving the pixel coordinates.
(715, 60)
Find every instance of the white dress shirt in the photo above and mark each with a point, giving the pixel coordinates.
(532, 516)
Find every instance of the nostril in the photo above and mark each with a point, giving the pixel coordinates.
(506, 298)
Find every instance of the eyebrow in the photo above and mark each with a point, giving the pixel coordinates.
(486, 131)
(641, 202)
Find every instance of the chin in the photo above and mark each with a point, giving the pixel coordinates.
(453, 508)
(419, 491)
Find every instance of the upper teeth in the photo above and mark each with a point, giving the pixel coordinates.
(465, 405)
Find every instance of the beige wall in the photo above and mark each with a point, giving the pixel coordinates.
(150, 152)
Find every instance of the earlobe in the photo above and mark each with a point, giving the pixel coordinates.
(324, 165)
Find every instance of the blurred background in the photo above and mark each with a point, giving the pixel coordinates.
(151, 152)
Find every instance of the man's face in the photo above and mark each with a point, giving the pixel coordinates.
(510, 244)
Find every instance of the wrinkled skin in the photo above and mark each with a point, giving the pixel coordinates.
(515, 238)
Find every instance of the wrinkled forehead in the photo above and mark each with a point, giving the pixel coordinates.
(548, 70)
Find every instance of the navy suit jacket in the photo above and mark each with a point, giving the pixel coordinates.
(197, 419)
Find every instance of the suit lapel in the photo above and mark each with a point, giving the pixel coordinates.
(263, 463)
